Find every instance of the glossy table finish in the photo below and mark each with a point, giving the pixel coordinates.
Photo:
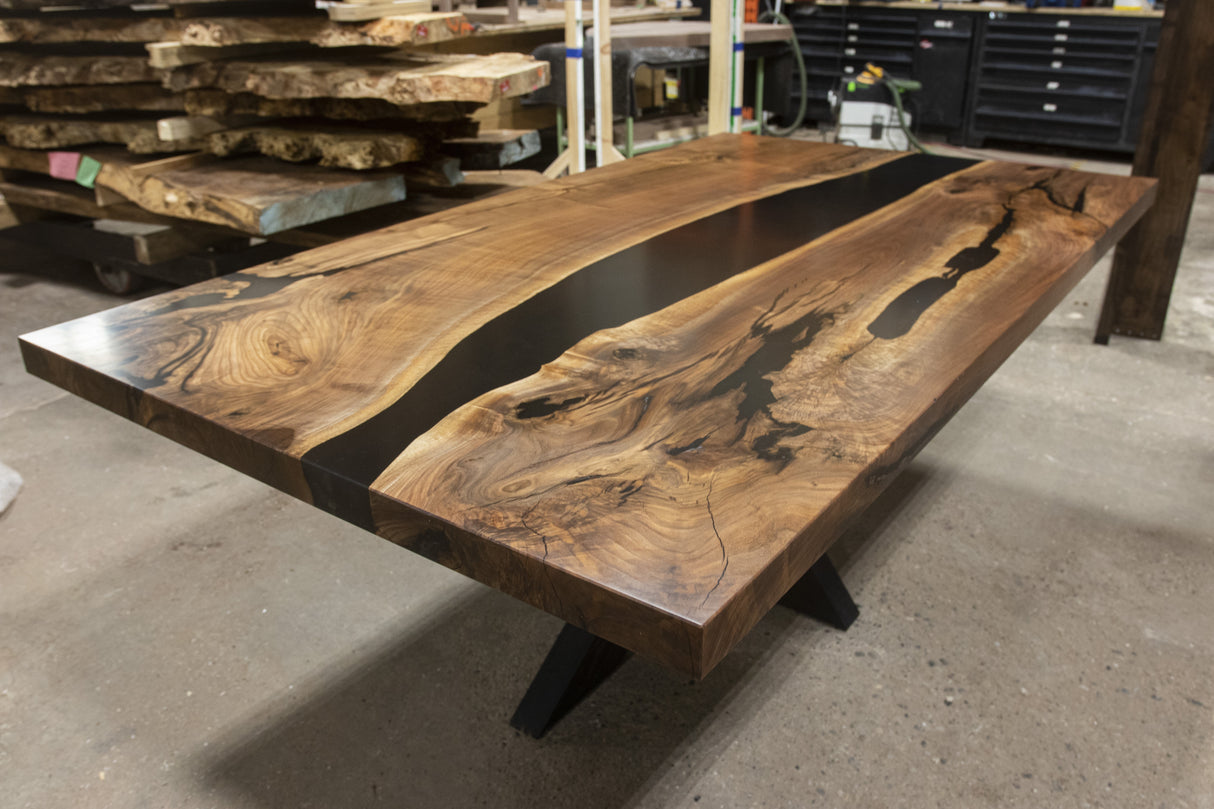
(645, 399)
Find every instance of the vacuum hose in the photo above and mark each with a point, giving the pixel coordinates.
(784, 132)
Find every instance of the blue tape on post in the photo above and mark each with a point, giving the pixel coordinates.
(735, 110)
(738, 47)
(573, 53)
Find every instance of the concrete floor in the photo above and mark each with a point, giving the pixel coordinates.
(1037, 625)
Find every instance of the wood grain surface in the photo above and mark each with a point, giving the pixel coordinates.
(395, 31)
(400, 80)
(645, 398)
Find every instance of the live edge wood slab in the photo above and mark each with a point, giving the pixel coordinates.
(646, 398)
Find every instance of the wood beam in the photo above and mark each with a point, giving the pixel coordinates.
(1175, 133)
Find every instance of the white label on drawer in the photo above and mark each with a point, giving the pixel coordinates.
(853, 38)
(943, 23)
(853, 26)
(1064, 23)
(850, 51)
(1052, 85)
(1056, 65)
(1059, 50)
(1050, 107)
(1060, 37)
(849, 69)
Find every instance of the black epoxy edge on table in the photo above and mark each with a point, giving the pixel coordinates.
(622, 287)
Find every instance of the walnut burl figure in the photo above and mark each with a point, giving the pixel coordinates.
(645, 399)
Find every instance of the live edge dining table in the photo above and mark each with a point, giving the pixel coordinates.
(645, 399)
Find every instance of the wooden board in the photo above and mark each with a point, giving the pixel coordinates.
(493, 19)
(359, 149)
(27, 70)
(217, 103)
(647, 419)
(109, 98)
(254, 195)
(58, 132)
(44, 194)
(282, 6)
(169, 55)
(371, 10)
(419, 80)
(409, 29)
(494, 148)
(55, 29)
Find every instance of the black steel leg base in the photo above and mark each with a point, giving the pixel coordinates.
(579, 661)
(575, 666)
(821, 594)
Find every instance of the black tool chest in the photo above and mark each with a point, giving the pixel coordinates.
(1060, 79)
(1064, 79)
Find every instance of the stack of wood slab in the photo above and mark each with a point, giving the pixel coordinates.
(258, 115)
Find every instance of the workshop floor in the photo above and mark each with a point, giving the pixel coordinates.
(1036, 627)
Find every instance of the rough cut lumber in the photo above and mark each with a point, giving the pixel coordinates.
(511, 113)
(359, 12)
(45, 194)
(179, 5)
(437, 173)
(494, 149)
(26, 70)
(340, 148)
(530, 19)
(419, 80)
(410, 29)
(505, 178)
(57, 132)
(192, 127)
(254, 195)
(217, 104)
(57, 29)
(647, 420)
(29, 160)
(108, 98)
(168, 55)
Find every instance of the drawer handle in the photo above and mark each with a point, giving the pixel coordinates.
(1059, 50)
(1056, 65)
(853, 38)
(1052, 85)
(849, 51)
(1064, 23)
(1050, 107)
(1060, 37)
(853, 26)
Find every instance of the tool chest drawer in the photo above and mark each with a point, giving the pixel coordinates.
(1067, 80)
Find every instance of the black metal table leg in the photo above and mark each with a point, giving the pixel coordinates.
(576, 664)
(579, 661)
(821, 594)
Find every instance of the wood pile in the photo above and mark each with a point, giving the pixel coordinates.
(207, 109)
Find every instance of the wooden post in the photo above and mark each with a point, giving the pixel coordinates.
(720, 63)
(573, 159)
(575, 85)
(1175, 131)
(604, 117)
(737, 12)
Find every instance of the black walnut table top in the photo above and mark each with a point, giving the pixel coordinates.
(646, 398)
